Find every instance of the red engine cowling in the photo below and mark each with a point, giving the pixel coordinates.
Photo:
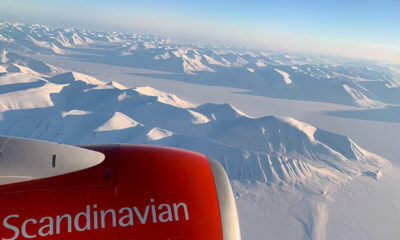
(136, 192)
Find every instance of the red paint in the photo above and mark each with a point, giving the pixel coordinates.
(130, 176)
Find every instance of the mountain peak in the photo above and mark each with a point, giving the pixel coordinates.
(69, 77)
(118, 121)
(163, 97)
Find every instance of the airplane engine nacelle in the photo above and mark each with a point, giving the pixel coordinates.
(54, 191)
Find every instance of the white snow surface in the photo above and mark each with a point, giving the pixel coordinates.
(6, 39)
(361, 100)
(267, 154)
(3, 57)
(158, 133)
(3, 69)
(291, 180)
(30, 98)
(250, 70)
(117, 85)
(368, 84)
(74, 76)
(74, 112)
(164, 97)
(118, 121)
(286, 76)
(48, 45)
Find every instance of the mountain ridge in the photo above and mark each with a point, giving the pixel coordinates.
(365, 84)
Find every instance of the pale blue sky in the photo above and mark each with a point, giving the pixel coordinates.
(360, 28)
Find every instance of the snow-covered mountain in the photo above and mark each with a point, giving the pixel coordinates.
(266, 155)
(287, 175)
(365, 84)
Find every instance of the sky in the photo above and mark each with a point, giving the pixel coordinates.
(355, 28)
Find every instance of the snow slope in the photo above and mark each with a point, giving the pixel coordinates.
(291, 180)
(283, 171)
(364, 84)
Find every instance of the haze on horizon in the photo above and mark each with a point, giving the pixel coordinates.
(364, 29)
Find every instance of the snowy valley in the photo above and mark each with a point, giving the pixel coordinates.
(286, 174)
